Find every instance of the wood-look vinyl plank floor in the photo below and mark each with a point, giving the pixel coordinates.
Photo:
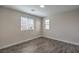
(42, 45)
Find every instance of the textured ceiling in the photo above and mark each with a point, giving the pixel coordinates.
(43, 12)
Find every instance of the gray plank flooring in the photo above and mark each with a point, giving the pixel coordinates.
(42, 45)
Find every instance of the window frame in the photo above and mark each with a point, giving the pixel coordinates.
(27, 24)
(47, 24)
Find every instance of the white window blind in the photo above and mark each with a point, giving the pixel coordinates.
(47, 24)
(27, 23)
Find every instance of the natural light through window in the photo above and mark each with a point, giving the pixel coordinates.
(27, 23)
(47, 25)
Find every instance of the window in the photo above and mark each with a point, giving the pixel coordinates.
(27, 23)
(47, 24)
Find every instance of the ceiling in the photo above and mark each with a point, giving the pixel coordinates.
(43, 12)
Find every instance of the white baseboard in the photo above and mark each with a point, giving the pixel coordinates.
(61, 40)
(5, 46)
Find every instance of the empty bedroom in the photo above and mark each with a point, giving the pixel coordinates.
(39, 28)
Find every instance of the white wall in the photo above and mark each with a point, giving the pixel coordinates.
(64, 27)
(10, 29)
